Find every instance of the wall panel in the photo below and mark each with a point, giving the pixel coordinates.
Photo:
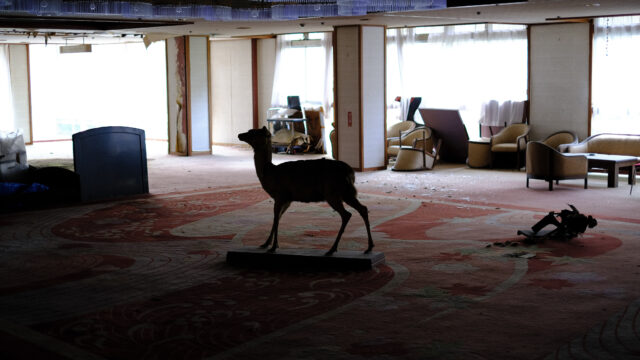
(373, 98)
(199, 90)
(347, 73)
(559, 81)
(266, 72)
(231, 89)
(19, 65)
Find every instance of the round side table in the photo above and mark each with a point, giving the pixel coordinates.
(479, 153)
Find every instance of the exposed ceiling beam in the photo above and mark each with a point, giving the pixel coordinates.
(77, 23)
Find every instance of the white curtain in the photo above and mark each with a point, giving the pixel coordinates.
(458, 67)
(396, 42)
(7, 123)
(616, 75)
(495, 113)
(306, 71)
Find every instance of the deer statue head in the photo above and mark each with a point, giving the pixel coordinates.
(257, 138)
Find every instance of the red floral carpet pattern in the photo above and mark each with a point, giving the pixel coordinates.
(146, 279)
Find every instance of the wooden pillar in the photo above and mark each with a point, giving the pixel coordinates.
(360, 99)
(188, 89)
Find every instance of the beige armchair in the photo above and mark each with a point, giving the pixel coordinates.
(402, 128)
(512, 139)
(546, 163)
(407, 140)
(561, 140)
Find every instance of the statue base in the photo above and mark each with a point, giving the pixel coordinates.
(305, 259)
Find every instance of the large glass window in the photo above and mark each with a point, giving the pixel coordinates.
(6, 96)
(616, 75)
(114, 85)
(457, 67)
(304, 67)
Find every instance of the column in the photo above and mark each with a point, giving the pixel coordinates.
(360, 100)
(188, 90)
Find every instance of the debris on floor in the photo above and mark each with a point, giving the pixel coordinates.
(568, 224)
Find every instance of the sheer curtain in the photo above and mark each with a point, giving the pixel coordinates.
(458, 67)
(304, 70)
(616, 75)
(6, 96)
(398, 76)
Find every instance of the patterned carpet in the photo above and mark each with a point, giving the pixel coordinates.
(146, 279)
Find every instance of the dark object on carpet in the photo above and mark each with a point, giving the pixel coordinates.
(571, 224)
(41, 188)
(111, 162)
(304, 259)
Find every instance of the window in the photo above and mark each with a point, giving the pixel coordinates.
(114, 85)
(6, 96)
(616, 54)
(304, 67)
(457, 67)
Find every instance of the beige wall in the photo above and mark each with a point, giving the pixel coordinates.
(266, 71)
(231, 90)
(347, 97)
(559, 81)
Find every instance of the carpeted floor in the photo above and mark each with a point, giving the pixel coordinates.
(146, 278)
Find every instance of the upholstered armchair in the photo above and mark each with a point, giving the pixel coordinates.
(397, 129)
(561, 140)
(512, 139)
(407, 140)
(548, 164)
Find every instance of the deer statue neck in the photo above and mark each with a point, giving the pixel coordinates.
(262, 160)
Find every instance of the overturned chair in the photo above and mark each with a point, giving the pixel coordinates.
(546, 163)
(422, 155)
(398, 131)
(406, 140)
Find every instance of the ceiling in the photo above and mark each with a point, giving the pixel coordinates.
(525, 12)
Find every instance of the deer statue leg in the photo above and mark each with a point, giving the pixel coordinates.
(278, 209)
(336, 204)
(362, 210)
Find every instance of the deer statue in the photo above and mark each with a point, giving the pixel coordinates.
(325, 180)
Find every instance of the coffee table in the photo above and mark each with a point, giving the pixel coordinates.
(613, 164)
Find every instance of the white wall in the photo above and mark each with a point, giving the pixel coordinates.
(231, 89)
(20, 88)
(266, 72)
(199, 94)
(373, 99)
(559, 81)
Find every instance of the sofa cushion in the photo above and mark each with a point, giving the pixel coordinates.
(505, 147)
(615, 144)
